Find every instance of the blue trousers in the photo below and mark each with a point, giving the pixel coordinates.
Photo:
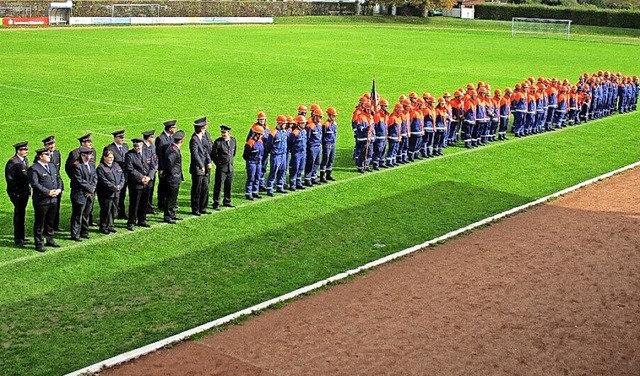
(392, 151)
(403, 148)
(379, 146)
(253, 178)
(364, 154)
(277, 172)
(328, 156)
(427, 144)
(415, 143)
(518, 123)
(312, 163)
(296, 168)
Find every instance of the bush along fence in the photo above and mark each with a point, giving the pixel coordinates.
(199, 8)
(581, 16)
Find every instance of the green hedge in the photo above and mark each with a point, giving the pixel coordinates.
(581, 16)
(186, 8)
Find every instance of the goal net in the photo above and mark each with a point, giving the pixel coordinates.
(15, 11)
(135, 10)
(540, 26)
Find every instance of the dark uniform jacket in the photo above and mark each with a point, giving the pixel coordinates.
(173, 165)
(83, 182)
(118, 156)
(109, 179)
(137, 166)
(149, 151)
(222, 154)
(15, 173)
(56, 159)
(162, 142)
(200, 157)
(74, 155)
(42, 182)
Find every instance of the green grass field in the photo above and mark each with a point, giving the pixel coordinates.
(85, 302)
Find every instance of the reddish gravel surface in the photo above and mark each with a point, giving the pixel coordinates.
(553, 291)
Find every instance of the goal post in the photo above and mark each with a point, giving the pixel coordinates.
(135, 10)
(532, 26)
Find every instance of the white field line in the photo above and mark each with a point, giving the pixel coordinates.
(252, 204)
(133, 354)
(71, 116)
(70, 97)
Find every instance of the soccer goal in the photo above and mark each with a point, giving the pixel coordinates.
(540, 26)
(135, 10)
(15, 11)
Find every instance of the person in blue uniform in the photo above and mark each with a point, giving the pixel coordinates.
(364, 138)
(276, 150)
(83, 187)
(172, 163)
(380, 120)
(314, 144)
(261, 121)
(140, 170)
(199, 168)
(297, 148)
(329, 137)
(110, 183)
(253, 153)
(393, 135)
(15, 174)
(46, 185)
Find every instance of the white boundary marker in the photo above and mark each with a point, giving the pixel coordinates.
(133, 354)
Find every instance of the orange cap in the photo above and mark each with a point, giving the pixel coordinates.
(317, 112)
(398, 107)
(480, 84)
(262, 115)
(508, 90)
(426, 94)
(302, 108)
(290, 119)
(413, 94)
(281, 119)
(406, 102)
(257, 129)
(470, 87)
(420, 100)
(332, 111)
(402, 98)
(446, 95)
(441, 101)
(300, 119)
(497, 92)
(384, 102)
(314, 107)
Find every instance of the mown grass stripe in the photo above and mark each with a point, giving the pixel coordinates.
(133, 354)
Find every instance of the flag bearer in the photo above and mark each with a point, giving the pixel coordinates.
(380, 121)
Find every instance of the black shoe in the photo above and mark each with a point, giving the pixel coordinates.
(270, 194)
(205, 212)
(144, 224)
(131, 227)
(20, 245)
(292, 188)
(216, 207)
(249, 197)
(282, 191)
(300, 187)
(76, 239)
(84, 236)
(263, 188)
(58, 229)
(197, 214)
(112, 230)
(170, 221)
(177, 219)
(39, 249)
(229, 205)
(255, 195)
(105, 232)
(307, 184)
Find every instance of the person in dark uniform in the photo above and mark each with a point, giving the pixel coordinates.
(164, 140)
(119, 148)
(208, 145)
(222, 153)
(110, 183)
(47, 185)
(140, 170)
(149, 149)
(56, 159)
(172, 162)
(15, 173)
(74, 155)
(83, 188)
(198, 168)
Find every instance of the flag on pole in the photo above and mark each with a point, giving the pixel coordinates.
(374, 96)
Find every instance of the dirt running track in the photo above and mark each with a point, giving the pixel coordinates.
(553, 291)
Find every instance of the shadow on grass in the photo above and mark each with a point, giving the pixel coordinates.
(67, 329)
